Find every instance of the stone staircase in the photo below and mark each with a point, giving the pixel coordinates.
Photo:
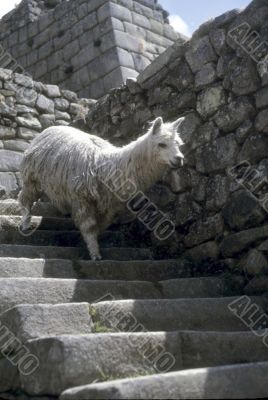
(125, 327)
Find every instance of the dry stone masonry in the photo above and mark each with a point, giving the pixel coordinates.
(86, 46)
(27, 108)
(222, 91)
(185, 318)
(87, 325)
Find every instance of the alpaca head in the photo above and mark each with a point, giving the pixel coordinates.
(166, 142)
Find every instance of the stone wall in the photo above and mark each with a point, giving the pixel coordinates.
(88, 46)
(222, 89)
(26, 108)
(219, 81)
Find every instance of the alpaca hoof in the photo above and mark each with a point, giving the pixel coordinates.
(96, 258)
(26, 231)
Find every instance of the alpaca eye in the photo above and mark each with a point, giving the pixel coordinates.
(163, 145)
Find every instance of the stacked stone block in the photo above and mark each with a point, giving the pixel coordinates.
(88, 46)
(26, 108)
(222, 92)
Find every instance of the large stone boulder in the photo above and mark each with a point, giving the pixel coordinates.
(243, 211)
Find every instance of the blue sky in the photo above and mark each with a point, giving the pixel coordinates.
(193, 13)
(186, 15)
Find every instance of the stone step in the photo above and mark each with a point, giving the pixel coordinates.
(15, 291)
(59, 232)
(173, 314)
(109, 253)
(245, 381)
(62, 238)
(28, 322)
(9, 379)
(10, 223)
(44, 209)
(68, 360)
(127, 271)
(110, 270)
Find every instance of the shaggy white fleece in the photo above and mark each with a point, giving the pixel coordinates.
(70, 167)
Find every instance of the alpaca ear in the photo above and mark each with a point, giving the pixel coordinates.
(157, 125)
(177, 123)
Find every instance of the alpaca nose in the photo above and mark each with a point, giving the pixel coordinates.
(179, 160)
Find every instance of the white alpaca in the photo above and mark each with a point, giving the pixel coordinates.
(70, 167)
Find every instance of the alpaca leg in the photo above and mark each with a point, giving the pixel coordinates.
(86, 222)
(90, 235)
(91, 239)
(27, 197)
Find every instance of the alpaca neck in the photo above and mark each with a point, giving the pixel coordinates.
(140, 164)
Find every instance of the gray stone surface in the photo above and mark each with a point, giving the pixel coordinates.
(16, 145)
(47, 120)
(114, 253)
(182, 314)
(62, 104)
(194, 287)
(9, 376)
(239, 381)
(12, 208)
(205, 76)
(217, 87)
(57, 54)
(236, 243)
(28, 322)
(10, 161)
(9, 182)
(217, 155)
(23, 80)
(182, 347)
(243, 211)
(75, 359)
(7, 111)
(201, 53)
(54, 291)
(31, 123)
(244, 78)
(218, 40)
(254, 148)
(231, 116)
(52, 91)
(60, 115)
(44, 104)
(220, 227)
(27, 134)
(7, 133)
(255, 263)
(262, 122)
(113, 270)
(210, 100)
(262, 98)
(217, 192)
(204, 230)
(26, 97)
(204, 252)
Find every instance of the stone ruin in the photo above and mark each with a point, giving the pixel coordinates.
(198, 299)
(86, 46)
(220, 85)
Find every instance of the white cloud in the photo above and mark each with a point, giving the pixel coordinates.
(179, 25)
